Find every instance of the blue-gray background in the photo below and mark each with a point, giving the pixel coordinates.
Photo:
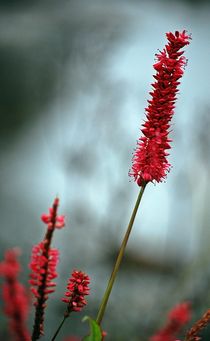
(75, 77)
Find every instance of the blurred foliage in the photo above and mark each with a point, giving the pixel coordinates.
(27, 84)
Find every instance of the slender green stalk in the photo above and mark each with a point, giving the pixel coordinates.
(119, 258)
(59, 328)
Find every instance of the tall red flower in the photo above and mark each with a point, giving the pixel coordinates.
(15, 296)
(178, 317)
(77, 289)
(43, 264)
(150, 157)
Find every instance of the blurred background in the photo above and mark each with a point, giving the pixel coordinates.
(75, 77)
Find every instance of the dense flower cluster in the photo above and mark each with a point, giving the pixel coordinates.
(43, 270)
(15, 296)
(150, 157)
(178, 317)
(43, 264)
(77, 288)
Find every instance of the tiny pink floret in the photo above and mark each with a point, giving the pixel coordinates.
(51, 219)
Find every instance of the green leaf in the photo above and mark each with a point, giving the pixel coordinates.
(95, 330)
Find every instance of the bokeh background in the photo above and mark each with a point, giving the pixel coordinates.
(75, 77)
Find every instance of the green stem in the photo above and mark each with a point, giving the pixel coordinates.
(119, 258)
(59, 328)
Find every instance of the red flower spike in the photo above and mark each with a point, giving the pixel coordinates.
(15, 296)
(178, 317)
(43, 264)
(77, 288)
(150, 162)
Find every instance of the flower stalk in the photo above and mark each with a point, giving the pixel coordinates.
(119, 258)
(59, 328)
(193, 333)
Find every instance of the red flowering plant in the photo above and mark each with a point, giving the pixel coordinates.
(43, 265)
(149, 164)
(178, 317)
(77, 289)
(15, 296)
(150, 157)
